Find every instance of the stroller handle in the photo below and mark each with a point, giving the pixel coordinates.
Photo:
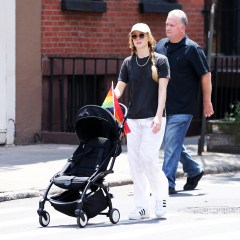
(125, 111)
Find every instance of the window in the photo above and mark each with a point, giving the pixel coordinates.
(226, 36)
(160, 6)
(84, 5)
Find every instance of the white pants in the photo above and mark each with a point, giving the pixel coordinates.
(143, 157)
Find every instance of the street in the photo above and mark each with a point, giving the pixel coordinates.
(212, 211)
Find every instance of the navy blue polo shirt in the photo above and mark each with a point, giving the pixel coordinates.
(187, 64)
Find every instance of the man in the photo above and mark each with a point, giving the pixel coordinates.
(189, 71)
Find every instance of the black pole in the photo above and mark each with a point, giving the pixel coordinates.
(201, 140)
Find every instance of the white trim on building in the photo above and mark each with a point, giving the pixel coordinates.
(7, 71)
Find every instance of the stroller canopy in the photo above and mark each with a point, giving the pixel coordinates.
(94, 121)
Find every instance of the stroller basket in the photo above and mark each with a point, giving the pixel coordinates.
(66, 202)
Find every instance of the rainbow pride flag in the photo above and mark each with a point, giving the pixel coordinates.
(111, 103)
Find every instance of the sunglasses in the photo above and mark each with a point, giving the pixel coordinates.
(141, 35)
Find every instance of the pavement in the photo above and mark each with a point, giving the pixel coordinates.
(25, 171)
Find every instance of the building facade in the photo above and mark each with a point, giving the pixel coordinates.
(44, 33)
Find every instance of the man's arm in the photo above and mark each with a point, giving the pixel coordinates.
(207, 91)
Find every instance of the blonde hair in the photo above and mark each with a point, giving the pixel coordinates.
(151, 44)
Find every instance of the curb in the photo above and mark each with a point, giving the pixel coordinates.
(14, 195)
(8, 196)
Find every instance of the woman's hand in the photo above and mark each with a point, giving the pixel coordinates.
(156, 125)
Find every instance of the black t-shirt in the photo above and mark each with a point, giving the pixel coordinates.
(143, 89)
(187, 64)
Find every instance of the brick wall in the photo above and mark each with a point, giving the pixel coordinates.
(193, 9)
(69, 33)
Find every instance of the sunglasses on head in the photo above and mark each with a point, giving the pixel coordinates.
(135, 36)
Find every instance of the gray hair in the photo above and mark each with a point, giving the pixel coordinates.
(181, 15)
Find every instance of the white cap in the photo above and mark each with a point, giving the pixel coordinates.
(141, 27)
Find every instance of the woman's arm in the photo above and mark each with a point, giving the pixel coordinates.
(119, 89)
(162, 93)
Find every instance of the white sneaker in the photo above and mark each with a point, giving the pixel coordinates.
(160, 208)
(139, 213)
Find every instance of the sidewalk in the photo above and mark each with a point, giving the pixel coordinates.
(25, 171)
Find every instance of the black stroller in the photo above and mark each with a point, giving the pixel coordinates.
(85, 194)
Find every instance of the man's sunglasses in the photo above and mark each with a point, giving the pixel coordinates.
(141, 35)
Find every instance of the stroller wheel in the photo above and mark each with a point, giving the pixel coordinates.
(44, 219)
(114, 215)
(82, 220)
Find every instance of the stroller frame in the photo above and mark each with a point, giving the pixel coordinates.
(83, 192)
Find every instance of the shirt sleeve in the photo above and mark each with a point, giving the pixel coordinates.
(163, 68)
(199, 62)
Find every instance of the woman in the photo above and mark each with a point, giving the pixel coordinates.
(147, 74)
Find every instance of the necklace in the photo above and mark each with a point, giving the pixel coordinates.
(142, 64)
